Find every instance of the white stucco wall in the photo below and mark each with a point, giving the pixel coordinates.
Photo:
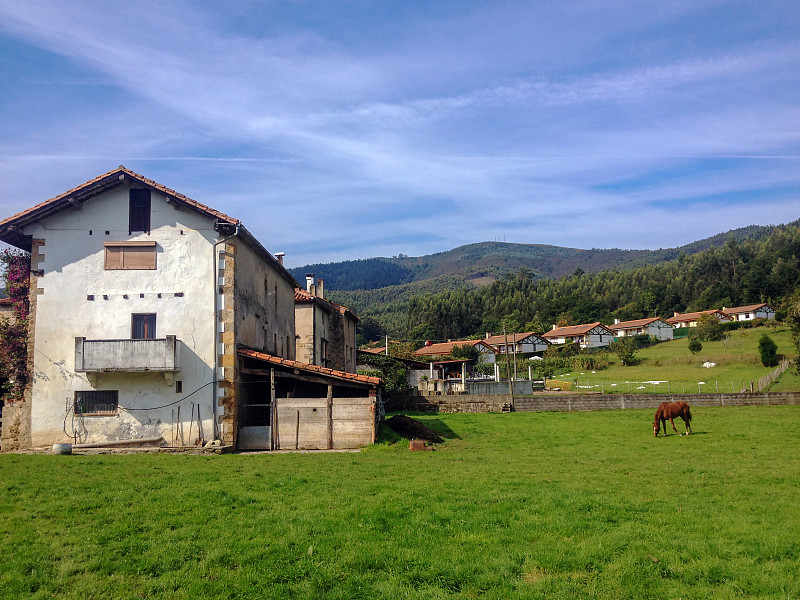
(74, 268)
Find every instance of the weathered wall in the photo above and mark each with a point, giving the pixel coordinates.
(321, 423)
(305, 332)
(180, 291)
(264, 303)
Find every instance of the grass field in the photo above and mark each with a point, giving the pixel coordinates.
(737, 363)
(520, 505)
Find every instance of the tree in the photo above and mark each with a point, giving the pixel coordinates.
(625, 348)
(695, 346)
(462, 351)
(793, 321)
(14, 330)
(768, 350)
(709, 329)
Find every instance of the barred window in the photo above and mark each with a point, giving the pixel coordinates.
(96, 402)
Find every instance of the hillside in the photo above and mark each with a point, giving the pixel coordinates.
(490, 260)
(761, 268)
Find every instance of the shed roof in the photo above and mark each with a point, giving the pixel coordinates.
(311, 369)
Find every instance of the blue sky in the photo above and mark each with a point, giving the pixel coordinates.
(350, 129)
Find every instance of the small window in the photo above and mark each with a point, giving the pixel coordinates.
(130, 255)
(143, 326)
(96, 402)
(139, 211)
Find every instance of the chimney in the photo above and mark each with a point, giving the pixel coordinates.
(676, 313)
(309, 281)
(279, 257)
(616, 321)
(320, 288)
(428, 343)
(554, 327)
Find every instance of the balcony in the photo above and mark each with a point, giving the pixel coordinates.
(95, 356)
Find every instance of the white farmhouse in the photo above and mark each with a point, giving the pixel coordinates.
(518, 343)
(655, 326)
(589, 335)
(679, 320)
(750, 312)
(141, 302)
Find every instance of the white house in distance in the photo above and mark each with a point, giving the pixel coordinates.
(654, 326)
(519, 343)
(589, 335)
(485, 351)
(141, 303)
(750, 312)
(690, 319)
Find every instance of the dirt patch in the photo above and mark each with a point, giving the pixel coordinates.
(412, 429)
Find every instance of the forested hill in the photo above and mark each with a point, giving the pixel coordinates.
(761, 268)
(493, 259)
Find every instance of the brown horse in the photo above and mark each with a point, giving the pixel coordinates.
(671, 410)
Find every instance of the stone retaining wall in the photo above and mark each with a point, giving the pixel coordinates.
(480, 403)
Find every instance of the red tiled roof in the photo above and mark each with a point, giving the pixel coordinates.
(444, 348)
(5, 301)
(294, 364)
(373, 350)
(572, 330)
(494, 340)
(632, 324)
(301, 295)
(111, 179)
(743, 309)
(694, 316)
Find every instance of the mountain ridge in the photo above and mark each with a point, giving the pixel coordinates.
(485, 261)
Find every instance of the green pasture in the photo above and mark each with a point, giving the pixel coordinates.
(737, 364)
(520, 505)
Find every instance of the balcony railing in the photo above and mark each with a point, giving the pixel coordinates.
(159, 355)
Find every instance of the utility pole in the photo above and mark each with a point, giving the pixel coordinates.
(508, 369)
(387, 346)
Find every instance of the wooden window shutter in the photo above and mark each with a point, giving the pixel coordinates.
(130, 255)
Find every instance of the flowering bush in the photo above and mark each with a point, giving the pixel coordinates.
(14, 331)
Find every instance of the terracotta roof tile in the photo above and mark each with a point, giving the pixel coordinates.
(307, 367)
(572, 330)
(635, 323)
(694, 316)
(743, 309)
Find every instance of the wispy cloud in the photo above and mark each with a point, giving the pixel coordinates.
(441, 126)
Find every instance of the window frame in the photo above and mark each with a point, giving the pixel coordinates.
(151, 318)
(114, 256)
(139, 208)
(94, 399)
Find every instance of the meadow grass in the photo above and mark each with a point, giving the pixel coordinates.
(519, 505)
(737, 364)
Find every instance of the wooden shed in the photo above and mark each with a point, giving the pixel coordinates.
(289, 405)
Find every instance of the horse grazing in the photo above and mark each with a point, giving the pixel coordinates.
(671, 410)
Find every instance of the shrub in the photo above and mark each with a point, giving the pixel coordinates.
(768, 350)
(695, 346)
(626, 348)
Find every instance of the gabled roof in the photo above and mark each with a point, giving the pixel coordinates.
(11, 228)
(694, 316)
(743, 309)
(312, 369)
(495, 340)
(301, 296)
(444, 348)
(572, 330)
(634, 324)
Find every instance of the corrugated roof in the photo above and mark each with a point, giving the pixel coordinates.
(301, 366)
